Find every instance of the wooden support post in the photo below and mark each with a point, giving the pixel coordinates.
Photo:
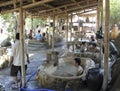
(106, 45)
(98, 17)
(79, 28)
(53, 32)
(66, 31)
(60, 26)
(22, 45)
(49, 33)
(15, 25)
(101, 13)
(57, 30)
(101, 40)
(78, 23)
(33, 1)
(71, 28)
(32, 24)
(18, 23)
(14, 3)
(67, 27)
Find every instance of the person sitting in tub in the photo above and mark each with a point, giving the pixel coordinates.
(94, 48)
(77, 63)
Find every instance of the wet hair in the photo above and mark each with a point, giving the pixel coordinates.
(94, 44)
(92, 38)
(83, 42)
(37, 26)
(30, 30)
(43, 34)
(17, 36)
(38, 31)
(78, 61)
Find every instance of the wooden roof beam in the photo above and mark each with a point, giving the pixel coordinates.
(36, 4)
(77, 11)
(86, 11)
(75, 2)
(87, 1)
(14, 3)
(28, 6)
(95, 4)
(68, 10)
(8, 2)
(63, 6)
(80, 13)
(50, 6)
(33, 1)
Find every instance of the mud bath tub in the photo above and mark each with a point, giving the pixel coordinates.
(61, 76)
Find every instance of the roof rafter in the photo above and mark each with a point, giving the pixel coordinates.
(77, 8)
(14, 4)
(50, 6)
(78, 12)
(67, 10)
(33, 1)
(74, 8)
(63, 6)
(28, 6)
(75, 2)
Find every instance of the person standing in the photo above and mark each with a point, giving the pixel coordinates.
(15, 60)
(38, 36)
(30, 35)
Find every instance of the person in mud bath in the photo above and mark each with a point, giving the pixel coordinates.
(93, 48)
(77, 63)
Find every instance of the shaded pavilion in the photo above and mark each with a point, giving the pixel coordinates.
(54, 9)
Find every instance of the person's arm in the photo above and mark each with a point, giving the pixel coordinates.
(11, 61)
(26, 53)
(11, 56)
(80, 71)
(28, 58)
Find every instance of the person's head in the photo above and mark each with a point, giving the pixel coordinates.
(46, 29)
(17, 36)
(94, 45)
(92, 38)
(1, 30)
(38, 31)
(44, 34)
(83, 43)
(30, 30)
(77, 61)
(37, 26)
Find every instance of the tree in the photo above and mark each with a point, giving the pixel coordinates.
(36, 21)
(114, 12)
(8, 18)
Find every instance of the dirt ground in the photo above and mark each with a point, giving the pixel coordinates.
(37, 56)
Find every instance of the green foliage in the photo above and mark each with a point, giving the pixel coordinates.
(114, 12)
(34, 23)
(9, 18)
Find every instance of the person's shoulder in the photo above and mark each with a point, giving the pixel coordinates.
(80, 68)
(17, 42)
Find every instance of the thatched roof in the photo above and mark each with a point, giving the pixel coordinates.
(47, 7)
